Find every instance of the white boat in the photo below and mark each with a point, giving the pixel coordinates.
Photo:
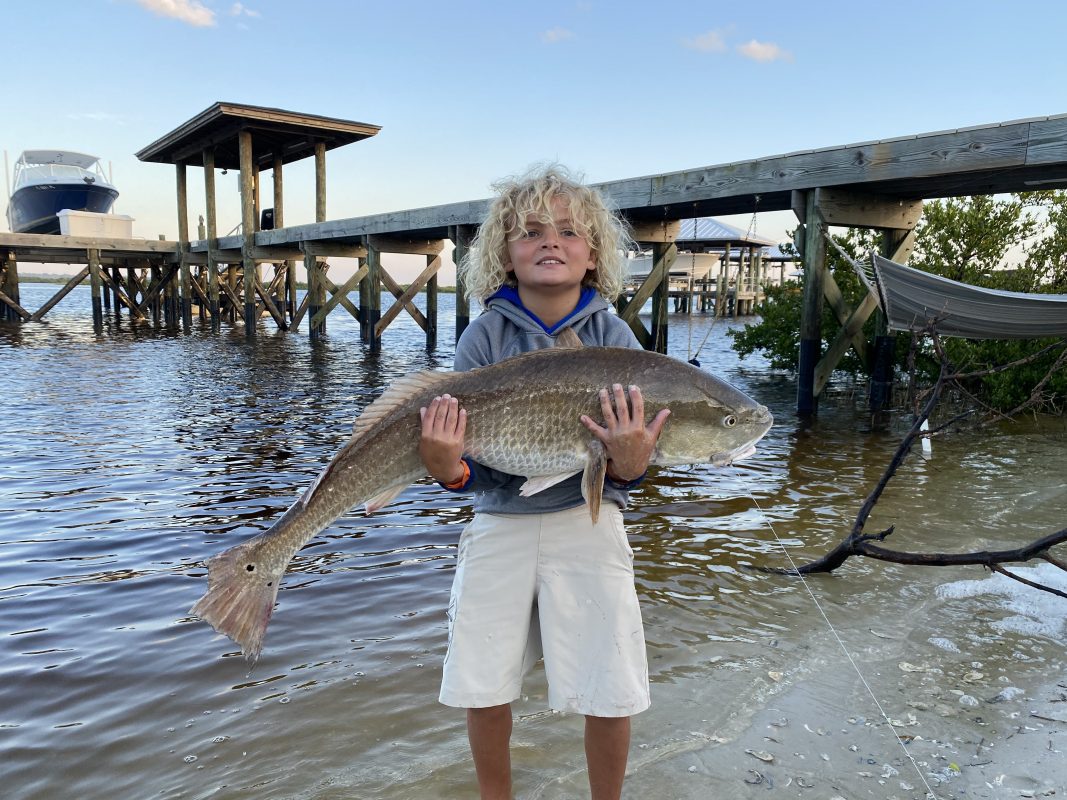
(49, 181)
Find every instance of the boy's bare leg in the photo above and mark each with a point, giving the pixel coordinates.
(489, 732)
(607, 746)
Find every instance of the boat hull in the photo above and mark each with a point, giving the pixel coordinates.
(33, 209)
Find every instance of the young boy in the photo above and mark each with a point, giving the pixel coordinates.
(535, 575)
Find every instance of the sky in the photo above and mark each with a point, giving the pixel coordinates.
(469, 92)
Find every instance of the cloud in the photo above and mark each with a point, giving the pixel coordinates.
(99, 116)
(710, 42)
(555, 35)
(239, 9)
(191, 12)
(764, 51)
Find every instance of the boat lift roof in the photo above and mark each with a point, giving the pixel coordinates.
(277, 133)
(711, 232)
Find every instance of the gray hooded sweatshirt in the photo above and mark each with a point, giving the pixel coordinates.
(506, 328)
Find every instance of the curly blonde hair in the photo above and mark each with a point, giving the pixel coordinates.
(532, 195)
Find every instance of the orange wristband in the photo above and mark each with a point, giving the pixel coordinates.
(459, 482)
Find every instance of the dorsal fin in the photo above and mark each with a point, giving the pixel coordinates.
(398, 393)
(568, 338)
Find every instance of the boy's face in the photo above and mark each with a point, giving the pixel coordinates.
(550, 256)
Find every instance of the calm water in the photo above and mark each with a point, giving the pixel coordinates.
(128, 458)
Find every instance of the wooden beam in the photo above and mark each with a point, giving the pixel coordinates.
(923, 158)
(320, 182)
(151, 294)
(332, 249)
(647, 232)
(832, 294)
(301, 310)
(231, 295)
(39, 313)
(272, 309)
(183, 244)
(256, 206)
(431, 303)
(398, 292)
(77, 245)
(335, 289)
(852, 328)
(371, 298)
(397, 244)
(93, 257)
(315, 298)
(199, 292)
(121, 295)
(665, 253)
(274, 254)
(338, 295)
(660, 270)
(248, 229)
(405, 299)
(900, 245)
(860, 210)
(289, 292)
(277, 175)
(461, 236)
(14, 306)
(9, 267)
(212, 239)
(811, 309)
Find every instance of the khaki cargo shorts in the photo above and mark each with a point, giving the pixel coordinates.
(551, 585)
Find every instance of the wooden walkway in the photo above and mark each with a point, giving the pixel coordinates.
(877, 184)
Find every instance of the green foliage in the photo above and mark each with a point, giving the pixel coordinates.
(777, 334)
(968, 238)
(1011, 388)
(1017, 244)
(1045, 268)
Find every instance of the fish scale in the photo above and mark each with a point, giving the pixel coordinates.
(522, 419)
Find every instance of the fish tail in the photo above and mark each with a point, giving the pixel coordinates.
(240, 597)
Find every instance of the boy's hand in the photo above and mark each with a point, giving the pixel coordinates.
(628, 442)
(444, 424)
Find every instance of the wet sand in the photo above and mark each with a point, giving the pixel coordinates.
(779, 720)
(807, 741)
(975, 711)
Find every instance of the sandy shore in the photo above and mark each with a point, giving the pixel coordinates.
(806, 743)
(767, 725)
(976, 705)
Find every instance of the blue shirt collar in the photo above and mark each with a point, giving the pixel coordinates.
(511, 294)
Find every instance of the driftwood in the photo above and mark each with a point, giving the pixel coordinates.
(858, 543)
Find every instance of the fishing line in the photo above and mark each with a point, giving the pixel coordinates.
(929, 791)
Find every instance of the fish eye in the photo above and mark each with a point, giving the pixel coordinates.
(729, 421)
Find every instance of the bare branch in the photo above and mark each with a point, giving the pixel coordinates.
(1035, 395)
(960, 376)
(1020, 579)
(857, 543)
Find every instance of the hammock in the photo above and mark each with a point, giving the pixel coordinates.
(912, 300)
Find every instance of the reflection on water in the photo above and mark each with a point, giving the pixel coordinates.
(132, 456)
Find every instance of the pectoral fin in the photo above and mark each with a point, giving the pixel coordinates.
(569, 339)
(382, 499)
(593, 478)
(542, 482)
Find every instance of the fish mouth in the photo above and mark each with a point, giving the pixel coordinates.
(729, 457)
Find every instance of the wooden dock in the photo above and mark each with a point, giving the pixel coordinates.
(877, 184)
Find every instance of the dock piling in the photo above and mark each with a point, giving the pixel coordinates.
(93, 256)
(461, 236)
